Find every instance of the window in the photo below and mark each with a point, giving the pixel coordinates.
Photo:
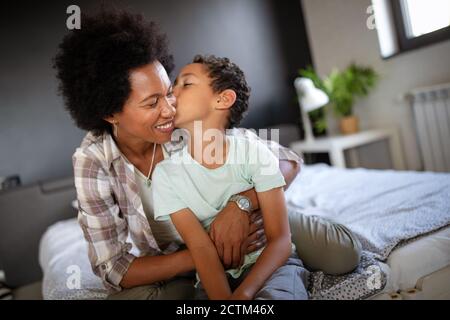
(405, 25)
(423, 17)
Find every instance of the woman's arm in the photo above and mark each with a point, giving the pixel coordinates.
(234, 234)
(100, 220)
(98, 215)
(151, 269)
(204, 254)
(278, 247)
(289, 170)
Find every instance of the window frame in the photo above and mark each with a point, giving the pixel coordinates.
(408, 44)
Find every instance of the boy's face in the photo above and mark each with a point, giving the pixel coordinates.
(195, 97)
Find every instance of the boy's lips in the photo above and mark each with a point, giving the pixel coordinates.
(166, 127)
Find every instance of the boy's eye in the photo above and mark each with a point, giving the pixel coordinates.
(154, 103)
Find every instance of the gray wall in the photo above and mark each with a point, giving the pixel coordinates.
(338, 35)
(37, 137)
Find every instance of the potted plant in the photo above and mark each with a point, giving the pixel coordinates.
(343, 87)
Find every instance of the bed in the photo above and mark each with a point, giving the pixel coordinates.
(414, 258)
(402, 218)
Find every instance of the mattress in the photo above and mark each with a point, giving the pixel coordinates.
(418, 258)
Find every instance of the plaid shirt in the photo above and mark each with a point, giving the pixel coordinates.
(110, 209)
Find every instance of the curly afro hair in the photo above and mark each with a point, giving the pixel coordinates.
(227, 75)
(93, 64)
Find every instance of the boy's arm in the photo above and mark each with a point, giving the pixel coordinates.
(234, 234)
(204, 254)
(278, 247)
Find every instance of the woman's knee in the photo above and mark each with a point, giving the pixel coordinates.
(323, 244)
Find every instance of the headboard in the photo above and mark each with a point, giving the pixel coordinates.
(25, 214)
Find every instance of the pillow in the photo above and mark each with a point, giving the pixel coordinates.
(5, 292)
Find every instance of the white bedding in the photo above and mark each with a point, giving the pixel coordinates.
(382, 208)
(63, 254)
(419, 258)
(63, 245)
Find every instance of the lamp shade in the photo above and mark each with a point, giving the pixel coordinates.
(309, 96)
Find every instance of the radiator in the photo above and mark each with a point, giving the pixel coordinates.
(431, 110)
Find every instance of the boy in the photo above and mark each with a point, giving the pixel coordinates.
(212, 95)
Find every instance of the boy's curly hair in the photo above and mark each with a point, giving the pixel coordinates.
(227, 75)
(93, 64)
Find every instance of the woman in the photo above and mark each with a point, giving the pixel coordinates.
(113, 76)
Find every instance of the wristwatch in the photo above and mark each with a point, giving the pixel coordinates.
(243, 202)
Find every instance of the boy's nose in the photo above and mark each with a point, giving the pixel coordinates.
(175, 91)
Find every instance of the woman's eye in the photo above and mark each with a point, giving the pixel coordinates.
(187, 84)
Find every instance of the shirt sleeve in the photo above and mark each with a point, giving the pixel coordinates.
(165, 198)
(99, 218)
(280, 152)
(263, 167)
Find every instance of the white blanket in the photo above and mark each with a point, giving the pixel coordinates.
(63, 256)
(383, 208)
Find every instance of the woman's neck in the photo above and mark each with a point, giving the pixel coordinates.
(133, 147)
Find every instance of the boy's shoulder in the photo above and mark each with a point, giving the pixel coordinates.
(250, 150)
(249, 142)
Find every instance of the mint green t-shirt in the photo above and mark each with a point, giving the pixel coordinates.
(180, 182)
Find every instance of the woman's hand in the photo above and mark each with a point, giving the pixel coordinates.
(257, 238)
(230, 232)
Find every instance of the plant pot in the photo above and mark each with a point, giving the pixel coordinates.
(349, 125)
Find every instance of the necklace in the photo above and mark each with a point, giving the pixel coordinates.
(149, 181)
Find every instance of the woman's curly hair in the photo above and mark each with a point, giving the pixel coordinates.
(227, 75)
(93, 64)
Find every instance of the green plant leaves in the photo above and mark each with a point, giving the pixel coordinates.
(343, 87)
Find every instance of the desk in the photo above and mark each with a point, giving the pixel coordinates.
(336, 145)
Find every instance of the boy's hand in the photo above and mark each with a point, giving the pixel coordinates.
(230, 232)
(240, 295)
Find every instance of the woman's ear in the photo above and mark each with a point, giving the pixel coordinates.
(114, 122)
(111, 120)
(226, 99)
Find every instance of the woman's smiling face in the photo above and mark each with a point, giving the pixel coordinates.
(149, 111)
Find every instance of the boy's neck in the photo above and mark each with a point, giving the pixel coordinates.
(208, 143)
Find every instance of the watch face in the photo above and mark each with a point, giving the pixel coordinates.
(244, 203)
